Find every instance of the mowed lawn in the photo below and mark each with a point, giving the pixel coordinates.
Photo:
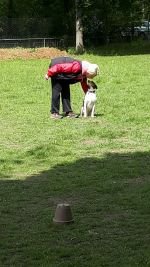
(100, 166)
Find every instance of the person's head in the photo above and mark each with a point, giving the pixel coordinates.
(90, 70)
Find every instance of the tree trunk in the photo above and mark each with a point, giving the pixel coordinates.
(79, 30)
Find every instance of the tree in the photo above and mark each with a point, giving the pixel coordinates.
(82, 7)
(74, 18)
(79, 29)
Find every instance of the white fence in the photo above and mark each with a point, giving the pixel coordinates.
(32, 42)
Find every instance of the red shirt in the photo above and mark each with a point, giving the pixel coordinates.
(69, 69)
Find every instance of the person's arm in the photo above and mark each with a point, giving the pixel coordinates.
(84, 85)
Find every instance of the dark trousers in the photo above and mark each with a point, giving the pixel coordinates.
(60, 88)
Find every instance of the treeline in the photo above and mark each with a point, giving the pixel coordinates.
(57, 18)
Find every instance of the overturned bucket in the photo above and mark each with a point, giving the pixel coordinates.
(63, 214)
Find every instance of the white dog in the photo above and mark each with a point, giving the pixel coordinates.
(88, 108)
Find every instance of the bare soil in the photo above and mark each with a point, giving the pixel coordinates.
(38, 53)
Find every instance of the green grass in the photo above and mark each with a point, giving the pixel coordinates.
(100, 166)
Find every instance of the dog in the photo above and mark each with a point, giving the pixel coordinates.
(88, 107)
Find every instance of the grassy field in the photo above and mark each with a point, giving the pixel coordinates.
(100, 166)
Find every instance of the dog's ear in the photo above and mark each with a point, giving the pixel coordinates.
(89, 83)
(93, 84)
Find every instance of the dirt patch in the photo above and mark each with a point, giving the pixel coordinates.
(38, 53)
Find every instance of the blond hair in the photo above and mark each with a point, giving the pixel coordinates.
(91, 70)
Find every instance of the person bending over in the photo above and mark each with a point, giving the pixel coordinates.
(64, 71)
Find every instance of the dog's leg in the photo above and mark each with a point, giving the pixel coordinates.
(93, 111)
(81, 113)
(85, 110)
(82, 109)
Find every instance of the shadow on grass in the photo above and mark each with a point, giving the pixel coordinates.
(110, 203)
(122, 49)
(99, 114)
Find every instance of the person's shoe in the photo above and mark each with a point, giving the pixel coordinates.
(71, 115)
(56, 116)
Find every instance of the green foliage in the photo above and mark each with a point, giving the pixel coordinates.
(61, 14)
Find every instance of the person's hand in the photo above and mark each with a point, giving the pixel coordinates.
(46, 77)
